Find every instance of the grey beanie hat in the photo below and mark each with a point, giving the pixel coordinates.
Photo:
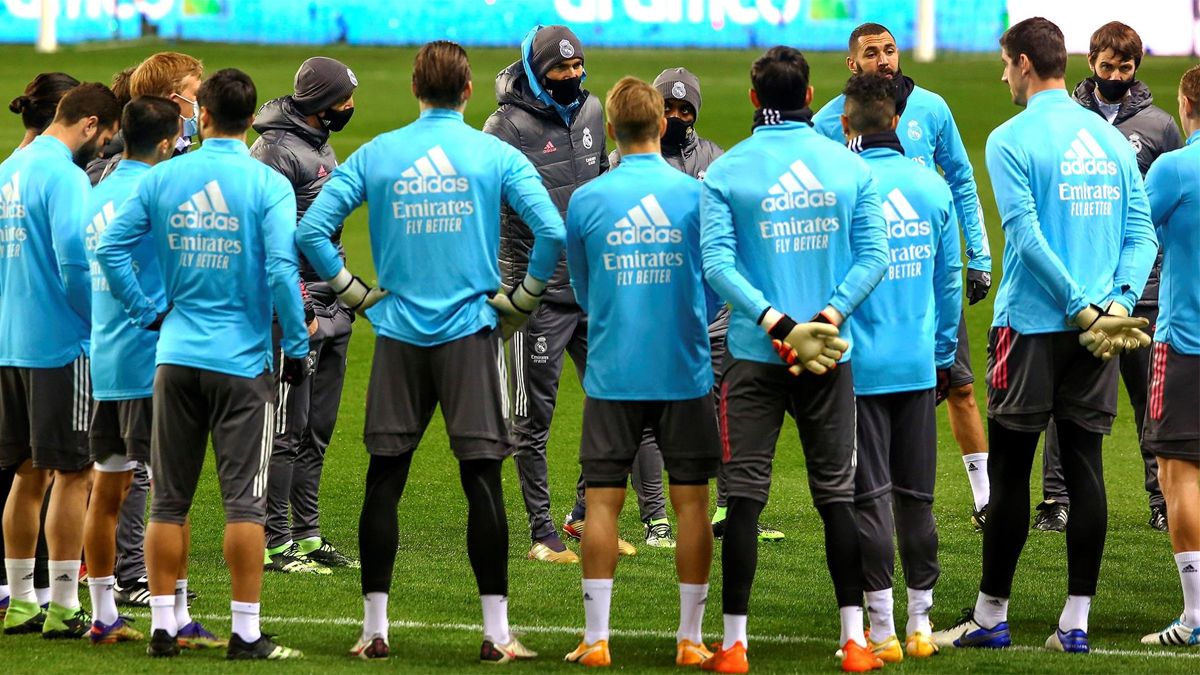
(320, 83)
(552, 45)
(681, 84)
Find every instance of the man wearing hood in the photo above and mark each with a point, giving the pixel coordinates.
(930, 137)
(294, 141)
(1114, 92)
(559, 126)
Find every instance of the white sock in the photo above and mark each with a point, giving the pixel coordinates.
(852, 625)
(64, 583)
(20, 578)
(879, 609)
(162, 614)
(245, 620)
(42, 595)
(597, 600)
(1075, 613)
(375, 621)
(183, 615)
(981, 489)
(104, 604)
(692, 598)
(1188, 563)
(495, 619)
(735, 631)
(990, 611)
(919, 605)
(5, 591)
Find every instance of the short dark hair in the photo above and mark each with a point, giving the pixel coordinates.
(90, 99)
(870, 102)
(146, 122)
(230, 97)
(40, 100)
(441, 72)
(1120, 38)
(120, 85)
(864, 30)
(1189, 86)
(780, 78)
(1039, 40)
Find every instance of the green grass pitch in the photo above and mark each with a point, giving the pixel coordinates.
(794, 620)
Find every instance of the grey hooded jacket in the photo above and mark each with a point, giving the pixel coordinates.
(1151, 131)
(303, 156)
(693, 158)
(566, 156)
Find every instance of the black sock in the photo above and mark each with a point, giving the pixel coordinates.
(1083, 472)
(377, 525)
(843, 552)
(739, 554)
(1009, 462)
(487, 524)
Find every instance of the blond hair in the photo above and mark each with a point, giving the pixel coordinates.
(634, 109)
(163, 74)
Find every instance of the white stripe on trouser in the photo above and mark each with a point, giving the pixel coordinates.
(281, 399)
(264, 450)
(82, 396)
(518, 356)
(503, 370)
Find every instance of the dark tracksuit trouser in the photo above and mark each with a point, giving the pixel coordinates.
(1135, 372)
(305, 418)
(555, 330)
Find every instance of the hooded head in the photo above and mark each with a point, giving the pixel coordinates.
(321, 85)
(553, 61)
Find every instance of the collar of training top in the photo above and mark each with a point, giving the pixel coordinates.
(447, 113)
(884, 140)
(773, 117)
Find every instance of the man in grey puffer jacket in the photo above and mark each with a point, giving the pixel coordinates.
(682, 147)
(1114, 92)
(559, 126)
(294, 141)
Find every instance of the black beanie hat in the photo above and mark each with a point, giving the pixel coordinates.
(552, 45)
(320, 83)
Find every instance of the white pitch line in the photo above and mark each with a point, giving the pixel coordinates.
(644, 633)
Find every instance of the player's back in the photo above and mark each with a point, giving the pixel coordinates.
(39, 186)
(208, 212)
(634, 253)
(895, 327)
(925, 114)
(1174, 179)
(1080, 171)
(433, 189)
(122, 352)
(793, 195)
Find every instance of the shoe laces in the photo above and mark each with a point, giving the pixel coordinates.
(968, 614)
(659, 530)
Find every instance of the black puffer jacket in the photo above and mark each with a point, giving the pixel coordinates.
(1151, 131)
(567, 156)
(303, 155)
(693, 158)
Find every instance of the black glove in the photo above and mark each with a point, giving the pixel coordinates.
(157, 323)
(978, 285)
(941, 391)
(295, 370)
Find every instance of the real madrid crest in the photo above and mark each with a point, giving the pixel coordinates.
(565, 48)
(678, 90)
(914, 130)
(587, 138)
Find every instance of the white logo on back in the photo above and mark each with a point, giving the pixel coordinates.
(798, 188)
(10, 198)
(645, 223)
(431, 174)
(99, 223)
(205, 210)
(902, 219)
(1085, 157)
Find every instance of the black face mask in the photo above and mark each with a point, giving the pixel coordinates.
(336, 120)
(564, 92)
(1113, 90)
(677, 132)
